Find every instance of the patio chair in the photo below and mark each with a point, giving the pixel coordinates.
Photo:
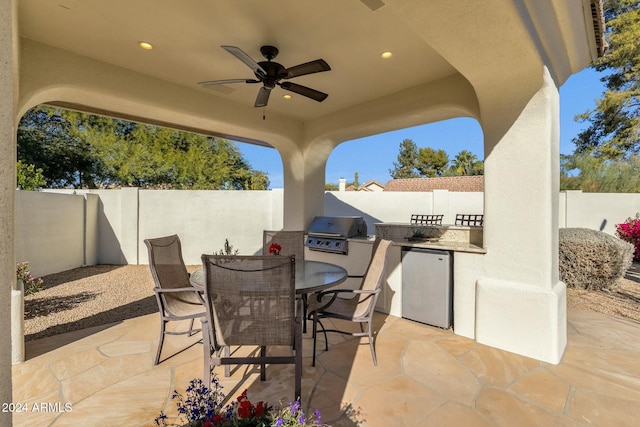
(252, 302)
(291, 242)
(355, 305)
(177, 298)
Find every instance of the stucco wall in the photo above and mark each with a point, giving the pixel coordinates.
(204, 219)
(597, 211)
(116, 222)
(49, 230)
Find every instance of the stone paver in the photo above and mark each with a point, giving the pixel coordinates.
(425, 377)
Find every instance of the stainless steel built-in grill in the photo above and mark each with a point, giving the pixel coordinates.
(330, 233)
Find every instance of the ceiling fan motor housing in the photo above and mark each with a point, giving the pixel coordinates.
(274, 72)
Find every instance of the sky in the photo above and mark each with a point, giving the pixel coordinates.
(372, 157)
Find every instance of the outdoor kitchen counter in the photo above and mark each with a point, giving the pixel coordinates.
(456, 238)
(442, 245)
(465, 246)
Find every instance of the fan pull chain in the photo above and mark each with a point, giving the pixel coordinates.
(264, 113)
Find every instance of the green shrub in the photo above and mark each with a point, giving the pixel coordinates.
(591, 259)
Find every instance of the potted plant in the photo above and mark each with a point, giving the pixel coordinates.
(418, 235)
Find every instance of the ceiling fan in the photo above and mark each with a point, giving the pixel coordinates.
(271, 73)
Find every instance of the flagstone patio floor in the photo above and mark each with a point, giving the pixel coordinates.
(425, 376)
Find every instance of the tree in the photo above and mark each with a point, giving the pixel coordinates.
(431, 163)
(48, 141)
(407, 161)
(356, 181)
(258, 181)
(81, 150)
(466, 163)
(328, 186)
(614, 130)
(598, 175)
(29, 177)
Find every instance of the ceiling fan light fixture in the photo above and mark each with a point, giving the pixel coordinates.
(287, 96)
(386, 54)
(270, 74)
(145, 45)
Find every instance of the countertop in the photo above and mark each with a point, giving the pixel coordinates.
(447, 237)
(442, 245)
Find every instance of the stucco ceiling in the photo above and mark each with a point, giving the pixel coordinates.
(187, 35)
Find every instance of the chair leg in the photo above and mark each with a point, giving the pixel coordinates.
(304, 313)
(227, 368)
(326, 339)
(315, 337)
(263, 366)
(206, 348)
(297, 343)
(162, 326)
(373, 350)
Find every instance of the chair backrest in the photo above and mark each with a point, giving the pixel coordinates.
(251, 299)
(374, 276)
(292, 242)
(427, 219)
(165, 262)
(169, 272)
(471, 220)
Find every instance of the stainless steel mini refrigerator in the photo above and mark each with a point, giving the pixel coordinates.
(427, 286)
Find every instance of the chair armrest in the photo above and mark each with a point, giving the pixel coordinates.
(189, 289)
(335, 292)
(363, 291)
(198, 293)
(319, 295)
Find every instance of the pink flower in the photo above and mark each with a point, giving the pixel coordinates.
(629, 231)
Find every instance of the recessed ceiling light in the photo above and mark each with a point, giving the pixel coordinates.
(145, 45)
(386, 55)
(287, 97)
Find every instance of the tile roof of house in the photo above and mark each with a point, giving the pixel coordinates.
(451, 183)
(367, 186)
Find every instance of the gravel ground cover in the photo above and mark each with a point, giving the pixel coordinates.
(102, 294)
(89, 296)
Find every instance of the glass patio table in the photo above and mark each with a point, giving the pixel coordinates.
(311, 276)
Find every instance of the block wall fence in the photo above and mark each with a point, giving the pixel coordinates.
(62, 230)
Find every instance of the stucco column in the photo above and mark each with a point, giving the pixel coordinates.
(8, 96)
(304, 177)
(521, 304)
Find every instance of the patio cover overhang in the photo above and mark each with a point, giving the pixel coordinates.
(498, 61)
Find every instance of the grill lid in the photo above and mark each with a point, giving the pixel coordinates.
(338, 227)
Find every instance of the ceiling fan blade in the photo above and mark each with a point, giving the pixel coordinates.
(224, 82)
(304, 91)
(263, 97)
(239, 53)
(316, 66)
